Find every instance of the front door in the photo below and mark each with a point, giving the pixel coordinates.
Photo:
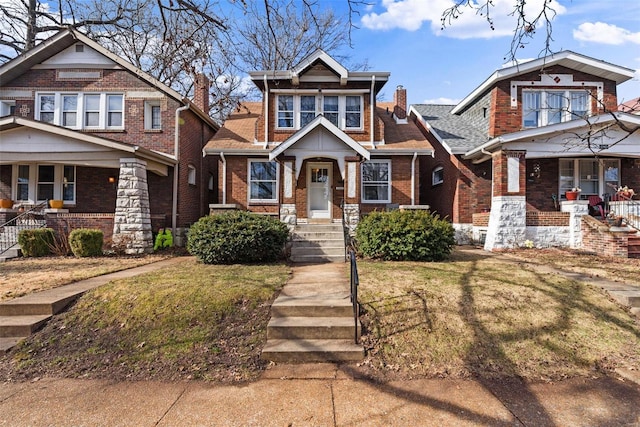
(319, 190)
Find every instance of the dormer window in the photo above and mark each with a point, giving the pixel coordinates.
(296, 111)
(542, 108)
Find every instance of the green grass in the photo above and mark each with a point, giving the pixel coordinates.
(188, 321)
(484, 316)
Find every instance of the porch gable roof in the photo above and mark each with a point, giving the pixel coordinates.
(319, 121)
(9, 123)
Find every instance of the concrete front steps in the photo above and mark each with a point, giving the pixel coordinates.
(633, 246)
(312, 243)
(312, 319)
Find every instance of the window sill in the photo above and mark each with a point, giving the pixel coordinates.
(263, 202)
(96, 130)
(153, 131)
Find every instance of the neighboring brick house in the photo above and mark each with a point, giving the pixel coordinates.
(507, 153)
(122, 150)
(317, 141)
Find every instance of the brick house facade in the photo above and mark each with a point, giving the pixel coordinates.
(507, 153)
(74, 114)
(319, 140)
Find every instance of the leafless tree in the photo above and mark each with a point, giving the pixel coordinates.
(528, 22)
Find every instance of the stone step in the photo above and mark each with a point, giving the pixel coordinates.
(311, 328)
(316, 235)
(37, 304)
(8, 343)
(315, 259)
(317, 251)
(20, 326)
(302, 351)
(312, 306)
(630, 298)
(319, 227)
(330, 243)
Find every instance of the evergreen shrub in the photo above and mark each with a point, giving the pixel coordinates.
(36, 242)
(411, 235)
(86, 242)
(237, 237)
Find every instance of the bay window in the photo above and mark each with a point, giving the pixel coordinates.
(376, 181)
(263, 181)
(542, 108)
(344, 111)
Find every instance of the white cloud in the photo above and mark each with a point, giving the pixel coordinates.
(600, 32)
(441, 100)
(410, 15)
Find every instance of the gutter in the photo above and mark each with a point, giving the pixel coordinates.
(413, 178)
(224, 178)
(266, 112)
(174, 205)
(372, 102)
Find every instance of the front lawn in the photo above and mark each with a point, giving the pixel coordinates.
(490, 316)
(187, 321)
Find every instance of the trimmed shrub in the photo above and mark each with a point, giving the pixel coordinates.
(86, 242)
(35, 242)
(405, 236)
(237, 237)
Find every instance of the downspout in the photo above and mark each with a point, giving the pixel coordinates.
(266, 112)
(224, 178)
(176, 152)
(371, 107)
(413, 178)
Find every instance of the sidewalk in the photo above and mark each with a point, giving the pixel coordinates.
(320, 395)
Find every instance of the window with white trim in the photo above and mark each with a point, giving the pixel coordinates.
(344, 111)
(376, 181)
(542, 108)
(593, 177)
(81, 110)
(152, 115)
(263, 181)
(191, 175)
(7, 108)
(37, 183)
(437, 175)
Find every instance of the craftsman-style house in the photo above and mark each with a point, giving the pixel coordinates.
(507, 154)
(122, 151)
(319, 140)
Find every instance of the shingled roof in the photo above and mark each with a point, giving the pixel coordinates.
(453, 130)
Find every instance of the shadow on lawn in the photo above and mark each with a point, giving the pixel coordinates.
(486, 354)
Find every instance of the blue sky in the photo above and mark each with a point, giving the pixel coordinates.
(404, 38)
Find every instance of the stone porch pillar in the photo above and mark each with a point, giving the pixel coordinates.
(132, 221)
(577, 209)
(508, 217)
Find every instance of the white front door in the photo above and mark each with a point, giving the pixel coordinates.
(319, 190)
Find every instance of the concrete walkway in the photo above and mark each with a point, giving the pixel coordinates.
(320, 395)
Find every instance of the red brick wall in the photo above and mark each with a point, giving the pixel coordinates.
(500, 173)
(598, 238)
(400, 184)
(547, 219)
(505, 119)
(540, 189)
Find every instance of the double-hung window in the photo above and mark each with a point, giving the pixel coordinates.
(592, 176)
(542, 108)
(296, 111)
(376, 181)
(36, 183)
(152, 115)
(81, 110)
(263, 181)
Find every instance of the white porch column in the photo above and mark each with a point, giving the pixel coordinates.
(132, 221)
(577, 209)
(507, 223)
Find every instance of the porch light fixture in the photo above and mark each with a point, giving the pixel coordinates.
(112, 181)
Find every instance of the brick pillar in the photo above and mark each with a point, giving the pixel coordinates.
(132, 220)
(508, 217)
(288, 211)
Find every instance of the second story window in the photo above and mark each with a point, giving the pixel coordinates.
(81, 110)
(542, 108)
(152, 115)
(344, 111)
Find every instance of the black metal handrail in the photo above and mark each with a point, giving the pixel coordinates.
(30, 219)
(629, 209)
(354, 283)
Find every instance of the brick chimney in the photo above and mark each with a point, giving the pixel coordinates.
(201, 92)
(400, 103)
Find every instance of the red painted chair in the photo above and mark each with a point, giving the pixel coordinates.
(596, 204)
